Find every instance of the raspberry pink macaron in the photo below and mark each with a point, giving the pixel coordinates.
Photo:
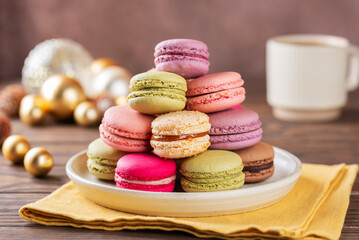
(234, 129)
(146, 172)
(126, 129)
(215, 92)
(185, 57)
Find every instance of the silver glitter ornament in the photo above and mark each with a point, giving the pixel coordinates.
(57, 56)
(113, 80)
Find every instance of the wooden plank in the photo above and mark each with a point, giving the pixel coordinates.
(69, 133)
(34, 231)
(14, 179)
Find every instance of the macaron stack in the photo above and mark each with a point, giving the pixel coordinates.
(178, 111)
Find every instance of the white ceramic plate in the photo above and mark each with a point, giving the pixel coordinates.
(181, 204)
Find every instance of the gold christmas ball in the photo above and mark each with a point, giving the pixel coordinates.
(100, 64)
(86, 114)
(5, 127)
(33, 110)
(121, 101)
(63, 95)
(113, 80)
(14, 148)
(38, 161)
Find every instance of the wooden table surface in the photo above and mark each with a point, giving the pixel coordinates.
(325, 143)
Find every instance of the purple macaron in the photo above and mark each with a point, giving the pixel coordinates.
(234, 129)
(185, 57)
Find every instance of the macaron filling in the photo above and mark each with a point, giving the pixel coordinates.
(234, 129)
(184, 53)
(229, 184)
(179, 57)
(167, 138)
(155, 182)
(236, 136)
(203, 53)
(213, 179)
(95, 167)
(102, 161)
(258, 168)
(157, 83)
(159, 92)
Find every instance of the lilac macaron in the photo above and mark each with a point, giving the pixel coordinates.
(185, 57)
(234, 129)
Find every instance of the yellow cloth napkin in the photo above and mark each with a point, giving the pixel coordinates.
(315, 208)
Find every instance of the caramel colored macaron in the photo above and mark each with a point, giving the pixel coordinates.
(257, 161)
(180, 134)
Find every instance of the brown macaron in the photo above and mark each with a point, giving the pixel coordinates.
(257, 161)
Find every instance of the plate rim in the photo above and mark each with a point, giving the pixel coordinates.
(187, 195)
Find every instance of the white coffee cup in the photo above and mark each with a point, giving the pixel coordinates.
(309, 76)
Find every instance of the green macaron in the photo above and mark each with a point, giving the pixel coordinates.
(102, 159)
(213, 170)
(157, 92)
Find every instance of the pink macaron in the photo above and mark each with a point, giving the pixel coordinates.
(234, 129)
(185, 57)
(146, 172)
(215, 92)
(126, 129)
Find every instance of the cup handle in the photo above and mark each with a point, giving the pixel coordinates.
(353, 74)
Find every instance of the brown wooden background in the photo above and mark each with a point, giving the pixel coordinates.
(235, 30)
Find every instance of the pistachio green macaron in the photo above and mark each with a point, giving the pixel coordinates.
(156, 92)
(213, 170)
(102, 159)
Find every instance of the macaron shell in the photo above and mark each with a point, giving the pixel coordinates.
(262, 151)
(119, 120)
(156, 104)
(218, 101)
(182, 148)
(156, 79)
(180, 123)
(123, 143)
(182, 45)
(231, 184)
(212, 164)
(236, 141)
(187, 67)
(145, 167)
(213, 83)
(101, 171)
(103, 153)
